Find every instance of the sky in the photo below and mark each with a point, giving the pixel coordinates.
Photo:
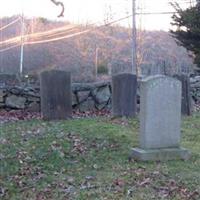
(90, 11)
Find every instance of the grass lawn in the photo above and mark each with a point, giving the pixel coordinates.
(88, 159)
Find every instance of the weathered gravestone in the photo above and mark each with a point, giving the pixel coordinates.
(124, 92)
(186, 106)
(160, 120)
(56, 100)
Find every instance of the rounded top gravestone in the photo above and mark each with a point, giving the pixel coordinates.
(160, 120)
(160, 112)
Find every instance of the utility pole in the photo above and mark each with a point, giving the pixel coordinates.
(22, 45)
(134, 43)
(190, 3)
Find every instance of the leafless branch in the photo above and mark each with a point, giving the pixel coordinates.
(59, 3)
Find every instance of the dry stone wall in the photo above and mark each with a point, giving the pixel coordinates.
(85, 96)
(95, 96)
(18, 97)
(195, 90)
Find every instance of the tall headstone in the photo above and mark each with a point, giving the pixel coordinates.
(56, 95)
(124, 93)
(186, 106)
(160, 120)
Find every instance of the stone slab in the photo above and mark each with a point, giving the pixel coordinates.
(160, 120)
(56, 95)
(160, 112)
(186, 108)
(124, 93)
(160, 154)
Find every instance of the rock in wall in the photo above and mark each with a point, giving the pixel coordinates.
(85, 96)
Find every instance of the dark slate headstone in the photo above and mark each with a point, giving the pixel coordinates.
(56, 95)
(186, 107)
(124, 92)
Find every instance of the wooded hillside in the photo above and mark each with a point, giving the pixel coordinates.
(77, 54)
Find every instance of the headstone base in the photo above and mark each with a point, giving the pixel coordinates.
(160, 154)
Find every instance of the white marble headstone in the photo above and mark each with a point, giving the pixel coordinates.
(160, 120)
(160, 114)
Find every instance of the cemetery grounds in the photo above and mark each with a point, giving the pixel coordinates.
(88, 158)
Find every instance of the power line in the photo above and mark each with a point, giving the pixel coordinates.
(64, 28)
(181, 1)
(157, 13)
(59, 38)
(51, 33)
(11, 23)
(48, 33)
(75, 34)
(79, 33)
(40, 34)
(8, 48)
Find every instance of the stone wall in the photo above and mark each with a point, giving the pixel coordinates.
(195, 90)
(20, 97)
(96, 96)
(86, 96)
